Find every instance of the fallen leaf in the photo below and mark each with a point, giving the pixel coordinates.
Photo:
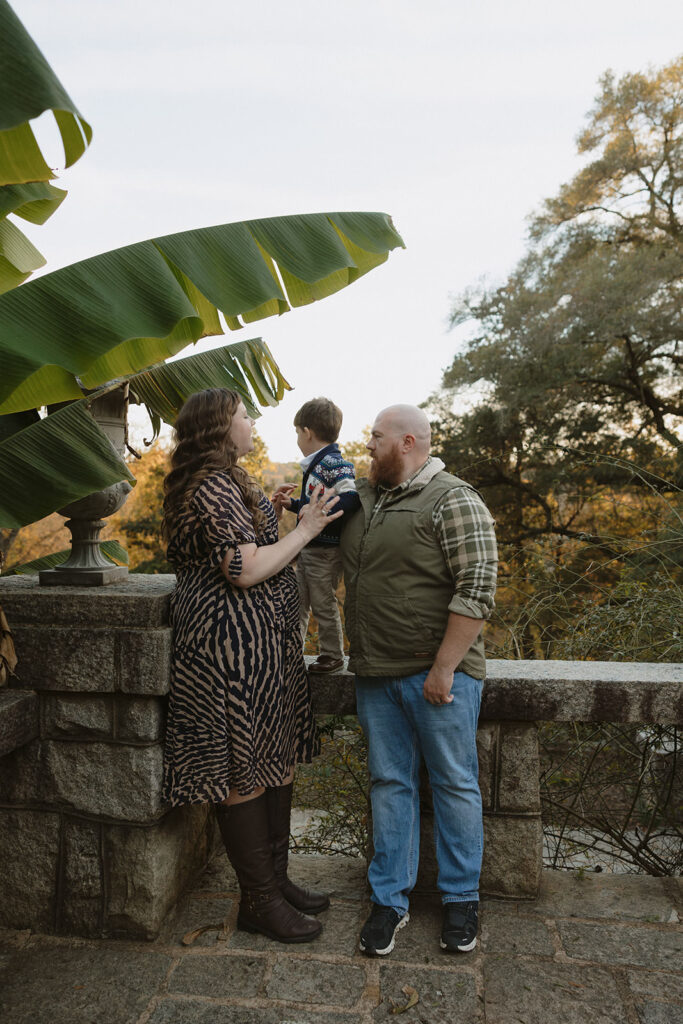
(413, 999)
(190, 937)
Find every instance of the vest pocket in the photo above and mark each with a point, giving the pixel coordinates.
(398, 630)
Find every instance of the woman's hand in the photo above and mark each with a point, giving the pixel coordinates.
(318, 513)
(259, 563)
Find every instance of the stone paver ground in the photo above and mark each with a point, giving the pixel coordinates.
(593, 949)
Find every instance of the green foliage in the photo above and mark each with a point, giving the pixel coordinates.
(31, 88)
(336, 785)
(101, 321)
(162, 294)
(565, 405)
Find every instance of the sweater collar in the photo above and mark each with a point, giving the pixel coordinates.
(308, 461)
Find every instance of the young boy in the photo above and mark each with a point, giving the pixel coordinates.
(319, 568)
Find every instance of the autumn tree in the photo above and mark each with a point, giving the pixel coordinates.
(574, 362)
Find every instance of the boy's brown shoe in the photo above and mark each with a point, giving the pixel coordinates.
(326, 663)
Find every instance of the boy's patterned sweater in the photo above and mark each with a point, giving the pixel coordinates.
(330, 469)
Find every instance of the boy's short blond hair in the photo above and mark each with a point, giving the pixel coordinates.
(322, 417)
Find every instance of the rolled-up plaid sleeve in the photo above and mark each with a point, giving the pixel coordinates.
(465, 529)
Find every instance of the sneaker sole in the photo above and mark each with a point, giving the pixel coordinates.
(458, 949)
(383, 952)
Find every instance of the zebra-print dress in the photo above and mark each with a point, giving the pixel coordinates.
(239, 710)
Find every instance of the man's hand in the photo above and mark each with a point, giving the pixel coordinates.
(438, 684)
(461, 632)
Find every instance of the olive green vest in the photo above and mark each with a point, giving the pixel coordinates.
(398, 584)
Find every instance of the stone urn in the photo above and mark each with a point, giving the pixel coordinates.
(86, 566)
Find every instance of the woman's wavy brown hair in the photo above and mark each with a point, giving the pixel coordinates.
(203, 446)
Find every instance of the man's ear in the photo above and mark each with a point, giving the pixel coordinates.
(306, 432)
(408, 442)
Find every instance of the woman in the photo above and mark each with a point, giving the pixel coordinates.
(240, 713)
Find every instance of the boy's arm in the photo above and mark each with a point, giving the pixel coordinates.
(348, 501)
(339, 476)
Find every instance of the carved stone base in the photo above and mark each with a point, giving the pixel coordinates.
(82, 577)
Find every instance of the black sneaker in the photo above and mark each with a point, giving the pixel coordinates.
(459, 930)
(377, 935)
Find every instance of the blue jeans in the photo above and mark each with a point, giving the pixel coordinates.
(400, 725)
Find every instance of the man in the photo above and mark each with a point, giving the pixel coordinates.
(420, 565)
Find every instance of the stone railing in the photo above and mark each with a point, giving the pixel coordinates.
(87, 847)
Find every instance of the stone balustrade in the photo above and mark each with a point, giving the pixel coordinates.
(86, 846)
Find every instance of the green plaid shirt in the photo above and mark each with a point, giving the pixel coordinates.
(465, 530)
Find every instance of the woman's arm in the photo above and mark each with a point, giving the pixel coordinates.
(258, 563)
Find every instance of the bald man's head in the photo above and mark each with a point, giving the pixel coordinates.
(407, 419)
(399, 444)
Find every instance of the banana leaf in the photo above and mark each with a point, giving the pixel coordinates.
(54, 461)
(110, 548)
(34, 202)
(125, 311)
(30, 87)
(164, 388)
(18, 256)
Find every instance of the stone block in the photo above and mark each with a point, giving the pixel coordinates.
(647, 984)
(514, 934)
(186, 1010)
(445, 995)
(99, 779)
(102, 779)
(141, 600)
(80, 910)
(140, 718)
(519, 768)
(512, 856)
(86, 717)
(583, 691)
(21, 775)
(143, 660)
(305, 981)
(487, 736)
(18, 719)
(65, 658)
(147, 869)
(660, 1013)
(333, 693)
(624, 944)
(218, 976)
(29, 854)
(604, 896)
(516, 990)
(214, 914)
(77, 985)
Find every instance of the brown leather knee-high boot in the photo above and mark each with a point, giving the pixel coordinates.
(263, 908)
(279, 800)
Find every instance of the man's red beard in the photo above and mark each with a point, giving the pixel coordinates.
(386, 470)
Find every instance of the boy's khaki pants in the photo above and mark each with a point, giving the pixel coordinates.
(318, 572)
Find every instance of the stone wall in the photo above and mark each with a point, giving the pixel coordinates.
(86, 845)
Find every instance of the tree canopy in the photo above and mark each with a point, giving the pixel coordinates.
(565, 404)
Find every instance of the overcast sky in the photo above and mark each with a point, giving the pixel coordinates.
(456, 117)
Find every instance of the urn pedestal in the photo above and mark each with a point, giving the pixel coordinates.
(86, 566)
